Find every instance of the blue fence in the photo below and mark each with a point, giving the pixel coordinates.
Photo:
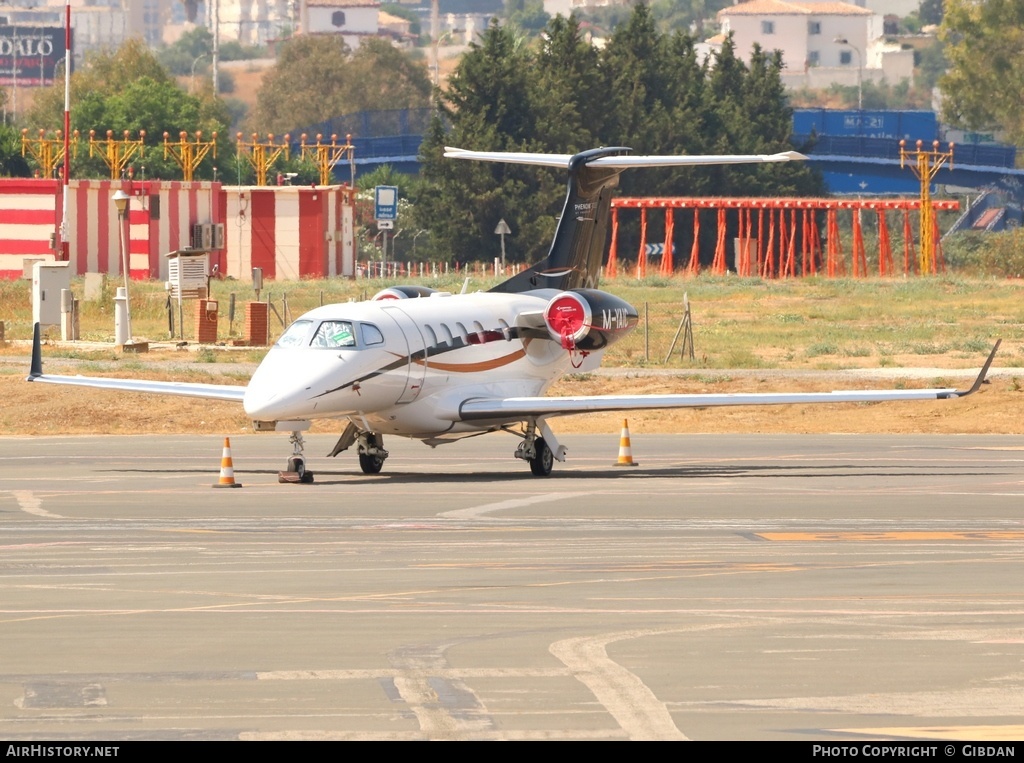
(840, 138)
(983, 155)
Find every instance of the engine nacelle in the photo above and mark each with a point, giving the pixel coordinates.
(403, 292)
(588, 319)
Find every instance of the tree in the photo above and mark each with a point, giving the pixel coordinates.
(568, 89)
(930, 12)
(644, 90)
(637, 81)
(527, 14)
(128, 89)
(984, 86)
(317, 77)
(489, 105)
(12, 163)
(193, 51)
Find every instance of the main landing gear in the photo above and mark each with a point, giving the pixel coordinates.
(369, 446)
(537, 451)
(371, 452)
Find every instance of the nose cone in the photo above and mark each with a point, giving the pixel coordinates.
(288, 383)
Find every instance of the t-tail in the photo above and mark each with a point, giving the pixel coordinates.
(577, 251)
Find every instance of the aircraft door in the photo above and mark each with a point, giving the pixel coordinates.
(416, 367)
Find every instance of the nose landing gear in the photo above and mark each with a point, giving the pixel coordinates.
(296, 470)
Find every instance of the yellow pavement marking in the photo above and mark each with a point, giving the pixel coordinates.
(946, 733)
(909, 535)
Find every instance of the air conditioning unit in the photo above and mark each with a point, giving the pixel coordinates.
(218, 236)
(202, 236)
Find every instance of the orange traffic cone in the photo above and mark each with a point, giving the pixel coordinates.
(227, 469)
(625, 451)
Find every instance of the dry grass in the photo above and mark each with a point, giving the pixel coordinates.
(771, 329)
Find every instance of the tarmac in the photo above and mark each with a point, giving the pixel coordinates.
(842, 588)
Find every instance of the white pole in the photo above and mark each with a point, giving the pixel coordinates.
(65, 245)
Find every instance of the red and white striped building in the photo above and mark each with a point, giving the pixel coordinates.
(290, 232)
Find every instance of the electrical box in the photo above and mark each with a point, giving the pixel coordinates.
(187, 274)
(48, 280)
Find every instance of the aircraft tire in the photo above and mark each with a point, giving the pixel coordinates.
(370, 464)
(542, 463)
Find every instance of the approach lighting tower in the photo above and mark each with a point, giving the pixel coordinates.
(189, 155)
(926, 165)
(326, 157)
(262, 155)
(48, 152)
(116, 153)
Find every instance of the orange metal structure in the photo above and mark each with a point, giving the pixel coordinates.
(780, 237)
(189, 155)
(926, 165)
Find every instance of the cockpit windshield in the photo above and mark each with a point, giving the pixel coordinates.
(296, 334)
(334, 334)
(330, 335)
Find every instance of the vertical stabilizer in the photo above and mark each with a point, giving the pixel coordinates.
(577, 251)
(575, 258)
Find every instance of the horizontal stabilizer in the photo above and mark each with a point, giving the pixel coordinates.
(624, 161)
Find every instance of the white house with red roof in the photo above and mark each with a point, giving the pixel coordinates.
(355, 20)
(821, 42)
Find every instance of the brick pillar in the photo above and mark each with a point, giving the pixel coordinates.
(256, 326)
(206, 321)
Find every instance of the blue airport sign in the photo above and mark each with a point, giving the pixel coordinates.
(385, 202)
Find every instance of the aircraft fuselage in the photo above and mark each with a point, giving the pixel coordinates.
(405, 366)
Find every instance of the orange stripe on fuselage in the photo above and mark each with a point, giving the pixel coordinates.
(468, 368)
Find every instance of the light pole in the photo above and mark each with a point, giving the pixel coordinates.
(860, 83)
(416, 236)
(121, 199)
(192, 79)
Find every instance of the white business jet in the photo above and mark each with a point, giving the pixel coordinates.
(438, 367)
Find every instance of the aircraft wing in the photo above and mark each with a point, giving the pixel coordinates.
(230, 392)
(518, 408)
(623, 161)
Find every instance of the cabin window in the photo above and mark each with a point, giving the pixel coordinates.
(334, 334)
(371, 334)
(296, 334)
(462, 331)
(431, 337)
(448, 338)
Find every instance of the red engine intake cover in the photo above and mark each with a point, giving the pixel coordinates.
(569, 318)
(588, 319)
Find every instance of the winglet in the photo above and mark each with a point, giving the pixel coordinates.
(37, 355)
(981, 376)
